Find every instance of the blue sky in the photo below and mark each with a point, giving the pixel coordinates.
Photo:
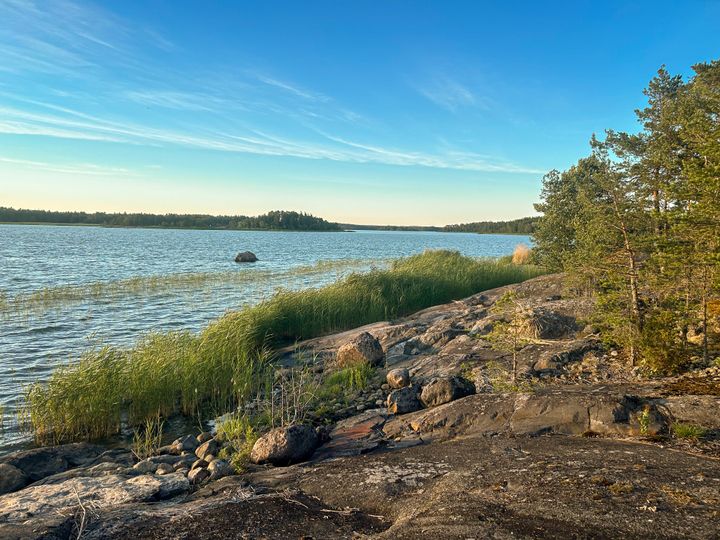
(395, 112)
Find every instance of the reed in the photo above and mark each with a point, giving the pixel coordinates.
(47, 298)
(227, 363)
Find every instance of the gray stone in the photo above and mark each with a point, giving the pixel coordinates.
(284, 446)
(199, 464)
(219, 469)
(146, 466)
(444, 390)
(164, 468)
(196, 476)
(11, 479)
(103, 491)
(404, 400)
(245, 257)
(364, 348)
(398, 378)
(207, 448)
(187, 443)
(204, 437)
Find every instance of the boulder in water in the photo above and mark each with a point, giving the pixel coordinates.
(246, 257)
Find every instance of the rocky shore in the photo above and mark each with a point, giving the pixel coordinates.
(442, 443)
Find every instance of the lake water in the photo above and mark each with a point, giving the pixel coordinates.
(198, 281)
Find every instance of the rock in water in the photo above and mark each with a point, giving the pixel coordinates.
(246, 257)
(398, 378)
(284, 446)
(363, 348)
(444, 390)
(11, 478)
(404, 400)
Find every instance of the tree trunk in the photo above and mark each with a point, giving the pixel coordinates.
(632, 274)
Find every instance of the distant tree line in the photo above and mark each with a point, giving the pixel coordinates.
(516, 226)
(275, 220)
(524, 225)
(637, 224)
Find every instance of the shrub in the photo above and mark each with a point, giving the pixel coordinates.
(688, 431)
(522, 254)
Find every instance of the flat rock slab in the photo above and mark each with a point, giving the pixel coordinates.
(354, 436)
(539, 487)
(533, 414)
(60, 499)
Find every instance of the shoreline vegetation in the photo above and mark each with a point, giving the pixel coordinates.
(276, 220)
(228, 362)
(47, 298)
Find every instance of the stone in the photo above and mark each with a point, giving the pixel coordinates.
(11, 479)
(102, 491)
(184, 444)
(286, 445)
(196, 476)
(207, 448)
(444, 390)
(543, 323)
(219, 469)
(39, 463)
(164, 468)
(404, 400)
(204, 437)
(364, 348)
(199, 464)
(245, 257)
(146, 466)
(165, 458)
(398, 378)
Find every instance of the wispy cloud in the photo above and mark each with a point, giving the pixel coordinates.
(90, 169)
(61, 36)
(291, 88)
(451, 95)
(257, 142)
(184, 101)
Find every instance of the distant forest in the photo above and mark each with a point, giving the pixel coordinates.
(275, 220)
(517, 226)
(278, 220)
(524, 225)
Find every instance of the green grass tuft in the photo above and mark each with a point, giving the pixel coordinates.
(689, 431)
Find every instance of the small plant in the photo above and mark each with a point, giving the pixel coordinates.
(239, 433)
(148, 439)
(644, 419)
(510, 334)
(688, 431)
(502, 380)
(291, 397)
(352, 378)
(522, 254)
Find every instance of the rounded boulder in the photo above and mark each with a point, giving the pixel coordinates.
(285, 446)
(398, 378)
(364, 348)
(444, 390)
(245, 257)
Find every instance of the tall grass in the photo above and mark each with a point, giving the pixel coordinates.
(226, 363)
(47, 298)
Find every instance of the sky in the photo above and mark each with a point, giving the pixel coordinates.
(385, 112)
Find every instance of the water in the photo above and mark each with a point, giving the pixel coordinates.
(33, 258)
